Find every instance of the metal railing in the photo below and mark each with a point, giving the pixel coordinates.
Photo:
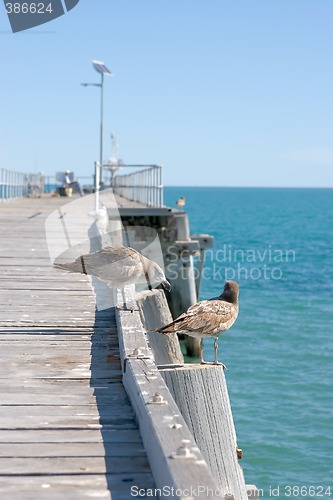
(14, 185)
(143, 186)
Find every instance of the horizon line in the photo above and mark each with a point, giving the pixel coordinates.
(245, 187)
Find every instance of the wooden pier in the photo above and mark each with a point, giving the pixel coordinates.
(85, 410)
(67, 428)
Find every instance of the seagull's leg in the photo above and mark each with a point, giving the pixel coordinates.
(201, 353)
(216, 361)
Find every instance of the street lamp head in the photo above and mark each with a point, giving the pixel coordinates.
(101, 68)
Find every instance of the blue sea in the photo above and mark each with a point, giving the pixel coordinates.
(277, 243)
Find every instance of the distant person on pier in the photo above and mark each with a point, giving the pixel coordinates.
(71, 183)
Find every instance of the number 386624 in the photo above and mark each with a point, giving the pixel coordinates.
(28, 8)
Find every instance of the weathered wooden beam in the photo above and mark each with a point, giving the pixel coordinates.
(201, 394)
(175, 460)
(155, 312)
(132, 340)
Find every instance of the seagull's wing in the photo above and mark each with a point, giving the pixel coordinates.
(114, 264)
(115, 254)
(206, 317)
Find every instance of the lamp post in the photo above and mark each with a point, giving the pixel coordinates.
(103, 70)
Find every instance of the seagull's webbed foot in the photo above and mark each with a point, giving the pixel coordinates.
(127, 308)
(214, 363)
(217, 363)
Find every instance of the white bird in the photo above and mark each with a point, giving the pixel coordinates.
(208, 318)
(118, 266)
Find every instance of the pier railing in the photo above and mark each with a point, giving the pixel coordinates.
(14, 185)
(144, 185)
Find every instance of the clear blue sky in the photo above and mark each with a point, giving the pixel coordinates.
(220, 92)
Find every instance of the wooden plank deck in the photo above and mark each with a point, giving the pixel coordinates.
(67, 429)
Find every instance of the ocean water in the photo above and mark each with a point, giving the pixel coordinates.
(277, 243)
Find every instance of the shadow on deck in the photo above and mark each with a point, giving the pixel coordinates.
(126, 463)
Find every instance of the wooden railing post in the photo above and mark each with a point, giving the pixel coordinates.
(201, 394)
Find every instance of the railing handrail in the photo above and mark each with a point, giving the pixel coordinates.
(14, 184)
(144, 186)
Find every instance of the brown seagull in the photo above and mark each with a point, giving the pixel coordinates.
(208, 318)
(118, 266)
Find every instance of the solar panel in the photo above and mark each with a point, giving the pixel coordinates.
(101, 68)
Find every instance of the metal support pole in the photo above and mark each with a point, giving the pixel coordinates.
(101, 124)
(97, 184)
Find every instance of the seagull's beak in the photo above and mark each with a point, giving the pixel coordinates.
(166, 285)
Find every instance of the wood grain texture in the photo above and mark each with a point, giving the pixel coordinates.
(201, 394)
(67, 428)
(155, 312)
(164, 432)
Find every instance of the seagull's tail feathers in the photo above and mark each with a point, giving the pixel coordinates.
(164, 329)
(72, 267)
